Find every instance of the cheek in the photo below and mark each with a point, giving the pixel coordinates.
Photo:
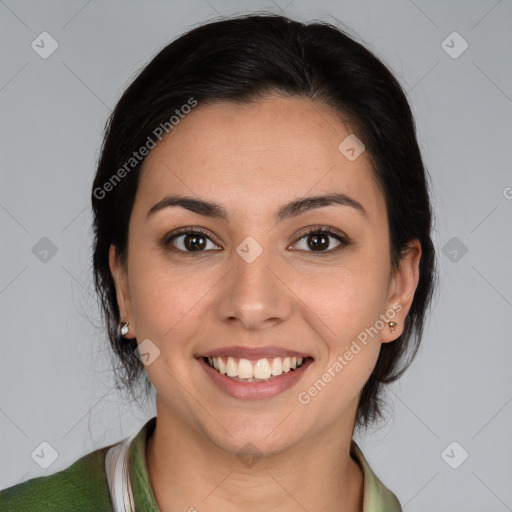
(344, 308)
(346, 299)
(169, 302)
(344, 314)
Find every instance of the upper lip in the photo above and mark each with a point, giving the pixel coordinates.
(253, 353)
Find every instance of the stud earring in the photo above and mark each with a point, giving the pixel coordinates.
(392, 326)
(124, 328)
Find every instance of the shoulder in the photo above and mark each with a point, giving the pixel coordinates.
(81, 486)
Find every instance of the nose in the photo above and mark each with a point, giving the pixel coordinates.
(253, 293)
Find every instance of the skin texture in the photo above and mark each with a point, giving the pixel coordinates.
(252, 159)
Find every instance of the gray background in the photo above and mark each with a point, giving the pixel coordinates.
(56, 385)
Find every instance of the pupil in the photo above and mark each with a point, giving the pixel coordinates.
(322, 245)
(193, 244)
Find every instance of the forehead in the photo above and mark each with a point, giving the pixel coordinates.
(264, 152)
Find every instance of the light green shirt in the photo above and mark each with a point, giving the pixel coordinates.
(87, 485)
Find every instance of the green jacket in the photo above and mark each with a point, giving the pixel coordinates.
(85, 485)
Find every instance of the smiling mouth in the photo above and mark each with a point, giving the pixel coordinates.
(261, 370)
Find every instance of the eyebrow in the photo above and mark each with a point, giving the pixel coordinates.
(291, 209)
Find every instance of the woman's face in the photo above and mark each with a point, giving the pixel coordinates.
(255, 279)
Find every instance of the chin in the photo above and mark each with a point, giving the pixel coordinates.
(250, 445)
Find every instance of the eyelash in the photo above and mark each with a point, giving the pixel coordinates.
(317, 230)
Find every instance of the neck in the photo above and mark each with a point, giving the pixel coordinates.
(188, 472)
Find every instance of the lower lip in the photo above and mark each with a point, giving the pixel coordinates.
(255, 390)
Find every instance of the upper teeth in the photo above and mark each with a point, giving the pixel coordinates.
(260, 369)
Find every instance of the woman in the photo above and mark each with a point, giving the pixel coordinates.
(263, 254)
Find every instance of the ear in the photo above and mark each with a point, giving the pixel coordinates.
(120, 276)
(402, 287)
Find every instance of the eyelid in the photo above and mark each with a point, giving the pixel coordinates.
(336, 233)
(189, 229)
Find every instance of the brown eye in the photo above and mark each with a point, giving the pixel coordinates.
(194, 242)
(321, 241)
(190, 241)
(318, 241)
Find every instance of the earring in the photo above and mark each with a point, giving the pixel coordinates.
(124, 328)
(392, 326)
